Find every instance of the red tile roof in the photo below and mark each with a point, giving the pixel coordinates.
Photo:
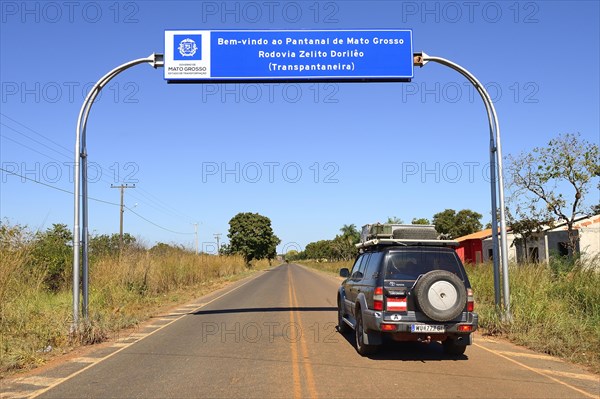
(479, 235)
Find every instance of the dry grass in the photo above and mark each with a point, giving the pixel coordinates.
(35, 322)
(329, 267)
(557, 314)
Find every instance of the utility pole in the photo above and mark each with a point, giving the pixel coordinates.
(196, 233)
(217, 237)
(122, 188)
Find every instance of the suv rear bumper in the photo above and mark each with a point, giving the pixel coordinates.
(374, 319)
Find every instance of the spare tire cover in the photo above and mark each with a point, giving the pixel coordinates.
(441, 295)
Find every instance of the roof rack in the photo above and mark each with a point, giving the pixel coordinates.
(407, 242)
(385, 231)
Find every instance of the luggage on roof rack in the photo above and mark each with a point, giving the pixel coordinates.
(407, 242)
(398, 231)
(377, 230)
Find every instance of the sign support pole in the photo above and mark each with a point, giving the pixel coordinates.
(420, 59)
(80, 237)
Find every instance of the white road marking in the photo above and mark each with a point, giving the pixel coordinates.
(124, 345)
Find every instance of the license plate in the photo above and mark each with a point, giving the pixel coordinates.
(426, 328)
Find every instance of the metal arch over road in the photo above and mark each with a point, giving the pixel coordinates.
(274, 56)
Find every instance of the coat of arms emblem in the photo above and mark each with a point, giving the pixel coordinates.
(187, 47)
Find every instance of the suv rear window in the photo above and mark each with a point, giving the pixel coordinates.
(410, 263)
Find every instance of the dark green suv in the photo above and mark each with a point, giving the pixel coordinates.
(411, 290)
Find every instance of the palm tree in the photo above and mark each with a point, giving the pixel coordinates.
(349, 230)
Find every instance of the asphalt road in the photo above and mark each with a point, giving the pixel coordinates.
(273, 336)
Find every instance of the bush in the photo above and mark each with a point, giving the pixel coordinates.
(52, 253)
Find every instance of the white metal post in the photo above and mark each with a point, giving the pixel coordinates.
(495, 154)
(80, 171)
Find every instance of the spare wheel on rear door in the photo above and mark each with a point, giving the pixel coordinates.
(441, 295)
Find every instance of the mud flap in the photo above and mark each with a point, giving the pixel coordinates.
(372, 338)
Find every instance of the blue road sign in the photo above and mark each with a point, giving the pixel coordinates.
(199, 56)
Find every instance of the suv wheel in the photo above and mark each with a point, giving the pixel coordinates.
(342, 327)
(451, 348)
(441, 295)
(362, 348)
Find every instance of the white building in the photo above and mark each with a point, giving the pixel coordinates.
(553, 241)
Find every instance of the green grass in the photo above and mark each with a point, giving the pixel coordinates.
(554, 311)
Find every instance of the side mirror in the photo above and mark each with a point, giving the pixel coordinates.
(344, 272)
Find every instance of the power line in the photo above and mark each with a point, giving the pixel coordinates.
(94, 199)
(29, 148)
(33, 131)
(156, 203)
(34, 140)
(151, 222)
(164, 205)
(55, 188)
(157, 206)
(43, 154)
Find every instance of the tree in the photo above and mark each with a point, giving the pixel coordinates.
(420, 221)
(552, 181)
(292, 255)
(394, 220)
(343, 248)
(319, 250)
(457, 224)
(525, 229)
(345, 245)
(251, 236)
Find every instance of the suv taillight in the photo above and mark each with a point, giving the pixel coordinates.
(378, 298)
(470, 300)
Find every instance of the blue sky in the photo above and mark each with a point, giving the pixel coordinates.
(203, 153)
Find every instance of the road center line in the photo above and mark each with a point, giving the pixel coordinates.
(295, 369)
(310, 380)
